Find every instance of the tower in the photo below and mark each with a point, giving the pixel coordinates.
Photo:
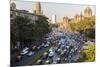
(88, 12)
(65, 19)
(12, 5)
(53, 19)
(38, 8)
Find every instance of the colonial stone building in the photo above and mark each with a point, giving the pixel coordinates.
(88, 12)
(24, 13)
(65, 24)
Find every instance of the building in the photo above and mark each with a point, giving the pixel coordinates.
(88, 12)
(65, 19)
(38, 10)
(78, 18)
(64, 25)
(54, 18)
(24, 13)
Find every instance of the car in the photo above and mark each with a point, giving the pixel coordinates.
(42, 44)
(47, 62)
(62, 53)
(39, 47)
(34, 48)
(51, 49)
(58, 51)
(51, 54)
(39, 62)
(24, 51)
(46, 45)
(65, 50)
(58, 60)
(45, 55)
(67, 47)
(54, 62)
(31, 53)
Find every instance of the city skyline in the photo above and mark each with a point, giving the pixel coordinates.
(59, 9)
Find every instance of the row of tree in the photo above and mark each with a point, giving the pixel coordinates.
(24, 31)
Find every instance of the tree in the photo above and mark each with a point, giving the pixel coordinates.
(88, 55)
(42, 27)
(21, 29)
(25, 32)
(86, 27)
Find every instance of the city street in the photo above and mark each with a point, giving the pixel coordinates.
(62, 48)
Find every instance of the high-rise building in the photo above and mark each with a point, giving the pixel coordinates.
(37, 10)
(54, 19)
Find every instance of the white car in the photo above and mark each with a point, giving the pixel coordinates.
(25, 49)
(51, 54)
(30, 53)
(24, 52)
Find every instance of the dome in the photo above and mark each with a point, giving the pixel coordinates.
(88, 12)
(88, 9)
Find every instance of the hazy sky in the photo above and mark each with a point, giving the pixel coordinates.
(59, 9)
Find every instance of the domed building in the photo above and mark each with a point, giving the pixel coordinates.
(88, 12)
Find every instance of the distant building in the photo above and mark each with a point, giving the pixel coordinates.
(78, 18)
(38, 10)
(54, 19)
(24, 13)
(65, 19)
(65, 24)
(88, 12)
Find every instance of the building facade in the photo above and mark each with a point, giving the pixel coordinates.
(24, 13)
(65, 24)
